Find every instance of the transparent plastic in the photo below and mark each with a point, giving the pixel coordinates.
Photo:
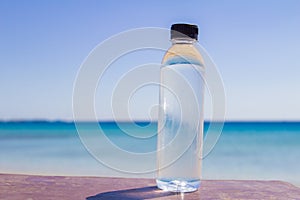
(180, 123)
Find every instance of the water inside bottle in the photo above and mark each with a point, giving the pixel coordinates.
(180, 127)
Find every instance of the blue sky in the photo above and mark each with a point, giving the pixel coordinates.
(255, 44)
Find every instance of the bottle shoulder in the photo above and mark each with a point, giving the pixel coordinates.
(183, 53)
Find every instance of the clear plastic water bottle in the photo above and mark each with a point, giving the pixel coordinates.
(180, 123)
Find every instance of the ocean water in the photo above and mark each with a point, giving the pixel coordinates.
(245, 150)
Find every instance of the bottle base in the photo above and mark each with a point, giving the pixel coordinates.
(174, 185)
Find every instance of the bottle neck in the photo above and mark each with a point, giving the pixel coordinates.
(183, 41)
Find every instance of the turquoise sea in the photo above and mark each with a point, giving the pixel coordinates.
(245, 150)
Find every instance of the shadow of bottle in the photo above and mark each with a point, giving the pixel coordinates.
(134, 194)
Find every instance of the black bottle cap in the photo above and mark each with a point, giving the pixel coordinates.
(184, 31)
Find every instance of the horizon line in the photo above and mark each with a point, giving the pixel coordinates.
(138, 121)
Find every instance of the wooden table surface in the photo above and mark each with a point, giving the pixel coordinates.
(29, 187)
